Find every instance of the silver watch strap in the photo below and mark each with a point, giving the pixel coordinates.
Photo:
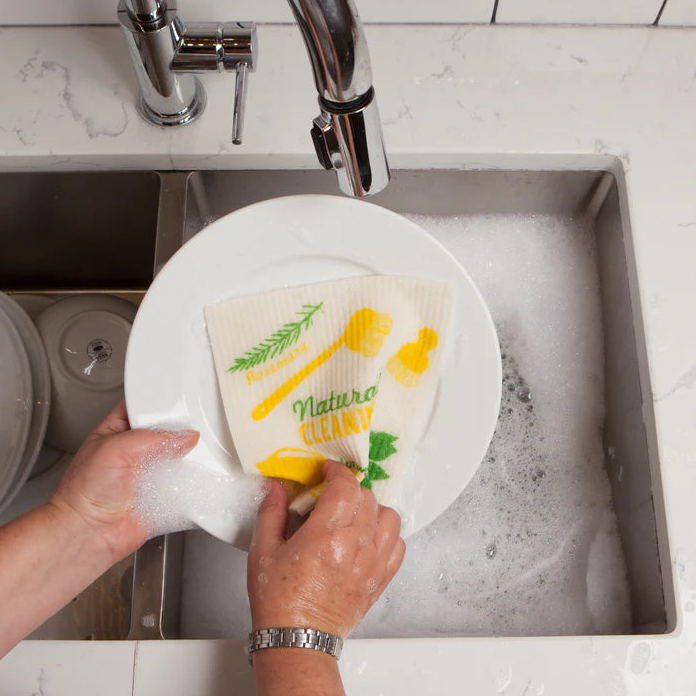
(307, 638)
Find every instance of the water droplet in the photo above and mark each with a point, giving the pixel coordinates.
(524, 395)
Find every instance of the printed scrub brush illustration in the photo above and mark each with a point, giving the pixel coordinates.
(411, 361)
(364, 334)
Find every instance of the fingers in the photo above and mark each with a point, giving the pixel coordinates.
(334, 471)
(388, 529)
(338, 504)
(396, 557)
(115, 422)
(272, 520)
(366, 516)
(137, 446)
(390, 545)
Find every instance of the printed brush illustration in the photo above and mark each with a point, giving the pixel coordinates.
(364, 334)
(411, 361)
(381, 448)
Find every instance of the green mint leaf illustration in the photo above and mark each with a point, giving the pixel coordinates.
(376, 472)
(381, 445)
(278, 342)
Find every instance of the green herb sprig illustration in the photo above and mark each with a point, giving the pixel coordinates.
(278, 342)
(381, 448)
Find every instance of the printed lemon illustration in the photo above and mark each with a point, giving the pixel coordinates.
(294, 464)
(411, 361)
(365, 334)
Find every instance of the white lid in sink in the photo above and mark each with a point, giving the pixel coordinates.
(16, 401)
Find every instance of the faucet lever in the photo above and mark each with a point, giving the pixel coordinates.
(239, 103)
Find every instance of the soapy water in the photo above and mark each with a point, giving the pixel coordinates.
(173, 495)
(531, 546)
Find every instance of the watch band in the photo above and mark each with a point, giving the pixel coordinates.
(307, 638)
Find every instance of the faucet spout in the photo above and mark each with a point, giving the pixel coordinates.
(347, 134)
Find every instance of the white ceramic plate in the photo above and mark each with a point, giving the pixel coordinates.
(15, 402)
(33, 305)
(85, 338)
(170, 378)
(41, 391)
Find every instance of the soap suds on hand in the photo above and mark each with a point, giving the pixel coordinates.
(171, 494)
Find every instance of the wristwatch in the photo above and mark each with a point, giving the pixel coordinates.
(307, 638)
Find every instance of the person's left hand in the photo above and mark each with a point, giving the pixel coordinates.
(97, 489)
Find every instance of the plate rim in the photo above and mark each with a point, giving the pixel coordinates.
(9, 472)
(41, 393)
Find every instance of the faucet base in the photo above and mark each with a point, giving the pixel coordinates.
(181, 118)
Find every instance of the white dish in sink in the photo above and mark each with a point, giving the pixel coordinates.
(85, 338)
(16, 402)
(41, 393)
(170, 377)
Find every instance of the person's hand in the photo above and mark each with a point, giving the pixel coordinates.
(97, 490)
(333, 569)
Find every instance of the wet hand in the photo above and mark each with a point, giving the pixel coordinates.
(96, 492)
(333, 569)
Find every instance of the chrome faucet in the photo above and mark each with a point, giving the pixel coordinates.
(166, 53)
(347, 134)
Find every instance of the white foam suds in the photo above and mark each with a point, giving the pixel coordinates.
(172, 495)
(531, 547)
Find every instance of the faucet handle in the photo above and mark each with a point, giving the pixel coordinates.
(224, 46)
(238, 52)
(239, 103)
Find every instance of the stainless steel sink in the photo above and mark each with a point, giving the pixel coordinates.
(69, 233)
(165, 209)
(77, 231)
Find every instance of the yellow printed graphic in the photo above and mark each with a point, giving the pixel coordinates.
(320, 430)
(364, 334)
(411, 360)
(294, 464)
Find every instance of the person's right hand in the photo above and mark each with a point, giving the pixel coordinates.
(333, 569)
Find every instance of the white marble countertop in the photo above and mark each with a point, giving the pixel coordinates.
(485, 96)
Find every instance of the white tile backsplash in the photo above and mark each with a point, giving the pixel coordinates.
(579, 11)
(380, 11)
(679, 13)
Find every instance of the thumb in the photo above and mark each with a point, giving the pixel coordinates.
(139, 446)
(272, 520)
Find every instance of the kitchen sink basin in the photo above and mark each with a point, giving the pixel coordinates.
(77, 231)
(189, 585)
